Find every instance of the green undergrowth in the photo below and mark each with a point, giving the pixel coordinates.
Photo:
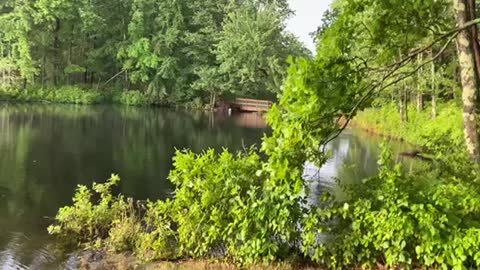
(224, 208)
(245, 210)
(445, 130)
(79, 95)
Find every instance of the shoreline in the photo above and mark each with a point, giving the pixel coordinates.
(373, 130)
(98, 260)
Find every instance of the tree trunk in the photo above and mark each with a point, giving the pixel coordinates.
(434, 90)
(405, 102)
(419, 101)
(474, 34)
(56, 47)
(469, 82)
(401, 109)
(419, 88)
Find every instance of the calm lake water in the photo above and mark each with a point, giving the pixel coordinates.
(47, 150)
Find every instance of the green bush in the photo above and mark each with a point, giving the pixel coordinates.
(87, 221)
(196, 104)
(66, 94)
(223, 206)
(77, 95)
(428, 219)
(131, 98)
(215, 202)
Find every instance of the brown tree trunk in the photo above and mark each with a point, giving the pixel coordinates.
(469, 82)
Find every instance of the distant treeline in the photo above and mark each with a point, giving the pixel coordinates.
(177, 50)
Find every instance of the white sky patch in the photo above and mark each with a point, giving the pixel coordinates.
(308, 16)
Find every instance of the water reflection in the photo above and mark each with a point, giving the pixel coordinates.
(354, 157)
(46, 151)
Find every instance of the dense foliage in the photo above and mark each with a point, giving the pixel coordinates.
(170, 50)
(247, 209)
(77, 95)
(428, 219)
(445, 131)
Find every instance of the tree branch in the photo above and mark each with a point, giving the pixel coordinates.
(383, 86)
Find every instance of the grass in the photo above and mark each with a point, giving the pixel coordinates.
(420, 129)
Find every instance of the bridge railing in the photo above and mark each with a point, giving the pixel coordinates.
(253, 102)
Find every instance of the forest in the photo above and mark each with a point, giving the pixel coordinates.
(404, 69)
(143, 51)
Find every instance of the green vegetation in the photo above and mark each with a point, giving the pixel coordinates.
(245, 209)
(169, 51)
(445, 130)
(77, 95)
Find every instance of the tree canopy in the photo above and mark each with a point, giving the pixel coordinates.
(176, 50)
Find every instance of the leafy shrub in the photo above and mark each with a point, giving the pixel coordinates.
(223, 206)
(131, 98)
(215, 202)
(114, 223)
(66, 94)
(158, 240)
(87, 221)
(427, 219)
(197, 104)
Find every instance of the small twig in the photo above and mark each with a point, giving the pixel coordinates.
(114, 76)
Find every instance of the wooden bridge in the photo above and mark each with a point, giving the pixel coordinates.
(251, 105)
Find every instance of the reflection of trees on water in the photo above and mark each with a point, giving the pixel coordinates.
(21, 252)
(354, 158)
(46, 151)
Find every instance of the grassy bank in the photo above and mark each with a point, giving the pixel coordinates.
(79, 95)
(421, 129)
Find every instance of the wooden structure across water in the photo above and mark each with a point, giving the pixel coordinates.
(251, 105)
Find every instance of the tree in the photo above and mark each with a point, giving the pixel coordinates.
(253, 50)
(383, 43)
(469, 81)
(16, 24)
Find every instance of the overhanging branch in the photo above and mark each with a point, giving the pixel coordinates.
(397, 77)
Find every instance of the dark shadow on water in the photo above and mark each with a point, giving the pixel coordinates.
(47, 150)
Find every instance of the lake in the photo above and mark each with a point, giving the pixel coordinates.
(46, 151)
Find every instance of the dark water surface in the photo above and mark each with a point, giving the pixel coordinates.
(47, 150)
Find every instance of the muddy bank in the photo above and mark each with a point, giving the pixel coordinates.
(91, 260)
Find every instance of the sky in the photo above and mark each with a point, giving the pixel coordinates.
(308, 16)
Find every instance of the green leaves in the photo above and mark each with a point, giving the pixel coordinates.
(252, 50)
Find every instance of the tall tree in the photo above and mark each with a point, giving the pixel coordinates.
(469, 81)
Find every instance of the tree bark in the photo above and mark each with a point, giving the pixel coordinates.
(434, 90)
(474, 34)
(405, 102)
(419, 88)
(401, 109)
(56, 47)
(469, 82)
